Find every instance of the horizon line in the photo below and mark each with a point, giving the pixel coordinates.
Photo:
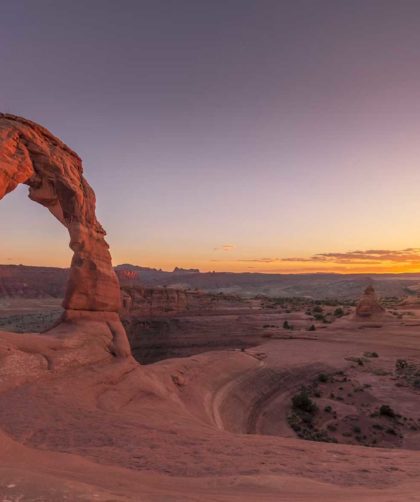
(193, 270)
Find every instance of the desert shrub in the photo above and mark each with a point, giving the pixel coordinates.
(295, 422)
(318, 309)
(322, 377)
(312, 327)
(338, 312)
(286, 325)
(401, 364)
(386, 411)
(303, 402)
(328, 409)
(371, 354)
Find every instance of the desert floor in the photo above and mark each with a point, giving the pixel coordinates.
(219, 426)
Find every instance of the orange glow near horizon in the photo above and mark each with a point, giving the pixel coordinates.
(255, 249)
(227, 258)
(63, 260)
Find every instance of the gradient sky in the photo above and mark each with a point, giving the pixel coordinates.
(225, 134)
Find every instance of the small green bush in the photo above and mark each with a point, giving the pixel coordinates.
(401, 364)
(303, 402)
(386, 411)
(323, 378)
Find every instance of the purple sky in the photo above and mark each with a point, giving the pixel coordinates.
(221, 133)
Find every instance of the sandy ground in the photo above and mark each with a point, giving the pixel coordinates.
(212, 426)
(23, 315)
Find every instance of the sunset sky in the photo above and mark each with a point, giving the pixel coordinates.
(228, 135)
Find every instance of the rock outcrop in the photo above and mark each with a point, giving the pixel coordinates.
(152, 301)
(368, 306)
(31, 155)
(141, 301)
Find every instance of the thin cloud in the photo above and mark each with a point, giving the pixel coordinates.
(358, 257)
(260, 260)
(368, 257)
(225, 247)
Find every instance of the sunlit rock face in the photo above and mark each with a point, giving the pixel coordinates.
(31, 155)
(368, 306)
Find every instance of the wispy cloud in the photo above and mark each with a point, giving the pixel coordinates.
(367, 257)
(225, 247)
(260, 260)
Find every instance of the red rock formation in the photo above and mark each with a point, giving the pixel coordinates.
(152, 301)
(31, 155)
(140, 301)
(368, 306)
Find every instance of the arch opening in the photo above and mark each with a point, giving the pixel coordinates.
(34, 265)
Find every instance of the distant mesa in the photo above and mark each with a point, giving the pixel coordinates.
(368, 306)
(178, 270)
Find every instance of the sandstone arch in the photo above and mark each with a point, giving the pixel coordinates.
(31, 155)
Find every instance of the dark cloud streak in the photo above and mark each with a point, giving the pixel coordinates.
(368, 257)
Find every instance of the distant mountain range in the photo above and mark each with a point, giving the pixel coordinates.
(39, 282)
